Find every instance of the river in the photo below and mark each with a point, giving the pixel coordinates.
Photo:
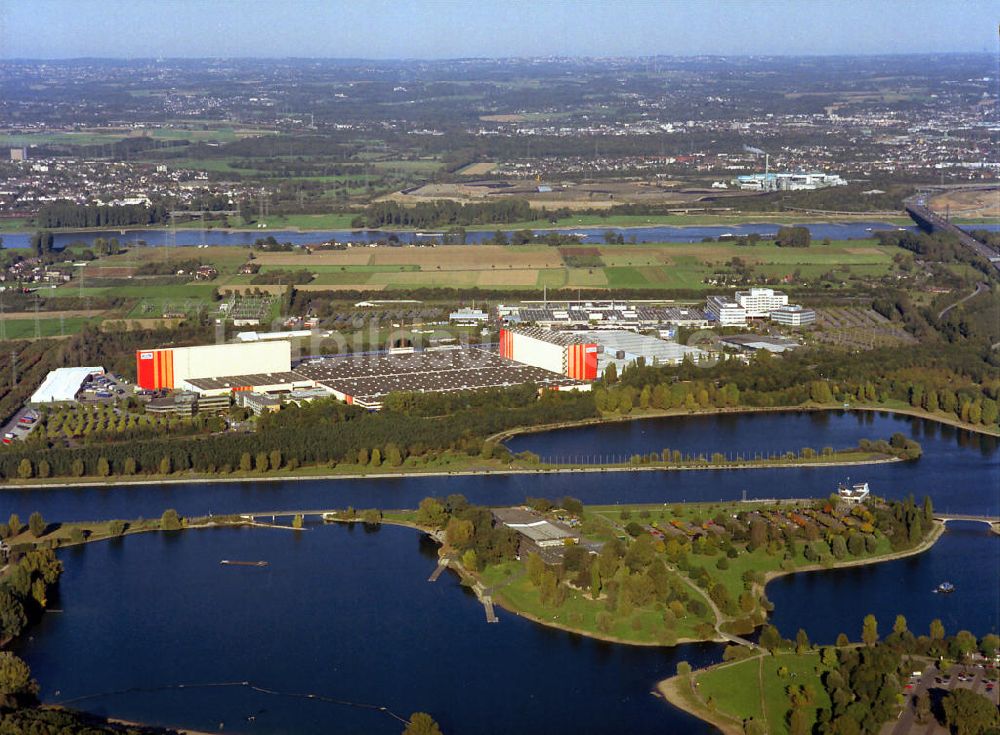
(191, 237)
(348, 614)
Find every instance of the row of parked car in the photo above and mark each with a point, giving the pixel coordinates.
(22, 428)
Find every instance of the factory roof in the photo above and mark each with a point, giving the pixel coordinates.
(760, 342)
(634, 345)
(547, 335)
(239, 381)
(372, 376)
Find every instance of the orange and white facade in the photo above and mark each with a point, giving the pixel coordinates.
(167, 368)
(554, 351)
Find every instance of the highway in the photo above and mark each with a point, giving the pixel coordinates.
(916, 207)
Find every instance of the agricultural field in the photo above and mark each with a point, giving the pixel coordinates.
(660, 266)
(858, 328)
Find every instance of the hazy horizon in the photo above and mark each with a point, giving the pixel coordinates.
(489, 29)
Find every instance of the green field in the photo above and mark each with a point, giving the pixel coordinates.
(735, 689)
(25, 328)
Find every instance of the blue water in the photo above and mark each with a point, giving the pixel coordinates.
(189, 237)
(830, 602)
(959, 470)
(347, 614)
(340, 612)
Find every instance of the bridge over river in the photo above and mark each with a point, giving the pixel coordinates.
(931, 222)
(992, 521)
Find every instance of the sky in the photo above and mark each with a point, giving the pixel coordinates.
(436, 29)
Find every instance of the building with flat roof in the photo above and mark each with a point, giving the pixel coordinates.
(365, 380)
(63, 384)
(285, 381)
(725, 311)
(621, 347)
(169, 367)
(760, 302)
(469, 317)
(537, 533)
(793, 315)
(258, 402)
(566, 353)
(753, 342)
(598, 314)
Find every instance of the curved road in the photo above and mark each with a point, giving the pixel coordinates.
(980, 288)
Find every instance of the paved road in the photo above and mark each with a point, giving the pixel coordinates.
(918, 210)
(980, 288)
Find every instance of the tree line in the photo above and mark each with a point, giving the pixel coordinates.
(68, 214)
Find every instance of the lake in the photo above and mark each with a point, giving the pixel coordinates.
(347, 614)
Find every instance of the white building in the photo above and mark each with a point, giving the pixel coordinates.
(727, 313)
(787, 182)
(62, 384)
(760, 302)
(793, 315)
(468, 317)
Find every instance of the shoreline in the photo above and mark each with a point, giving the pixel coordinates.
(672, 692)
(503, 436)
(158, 480)
(726, 220)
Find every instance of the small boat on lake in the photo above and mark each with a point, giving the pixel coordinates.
(945, 588)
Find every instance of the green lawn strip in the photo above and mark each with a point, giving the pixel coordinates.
(732, 690)
(802, 671)
(579, 612)
(25, 328)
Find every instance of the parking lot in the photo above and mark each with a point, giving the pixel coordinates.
(937, 684)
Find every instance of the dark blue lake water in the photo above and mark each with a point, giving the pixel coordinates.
(349, 615)
(190, 237)
(340, 612)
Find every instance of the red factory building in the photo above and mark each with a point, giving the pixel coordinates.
(558, 352)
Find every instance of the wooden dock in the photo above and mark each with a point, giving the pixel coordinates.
(491, 616)
(442, 565)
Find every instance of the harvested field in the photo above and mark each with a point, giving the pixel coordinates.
(985, 203)
(489, 279)
(478, 169)
(341, 287)
(62, 314)
(136, 324)
(351, 256)
(465, 257)
(104, 271)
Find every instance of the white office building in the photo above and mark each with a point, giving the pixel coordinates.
(793, 315)
(760, 302)
(726, 312)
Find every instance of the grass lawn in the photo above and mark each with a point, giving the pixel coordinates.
(25, 328)
(735, 690)
(579, 612)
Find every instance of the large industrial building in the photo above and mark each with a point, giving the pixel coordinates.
(584, 355)
(787, 181)
(559, 352)
(171, 367)
(365, 380)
